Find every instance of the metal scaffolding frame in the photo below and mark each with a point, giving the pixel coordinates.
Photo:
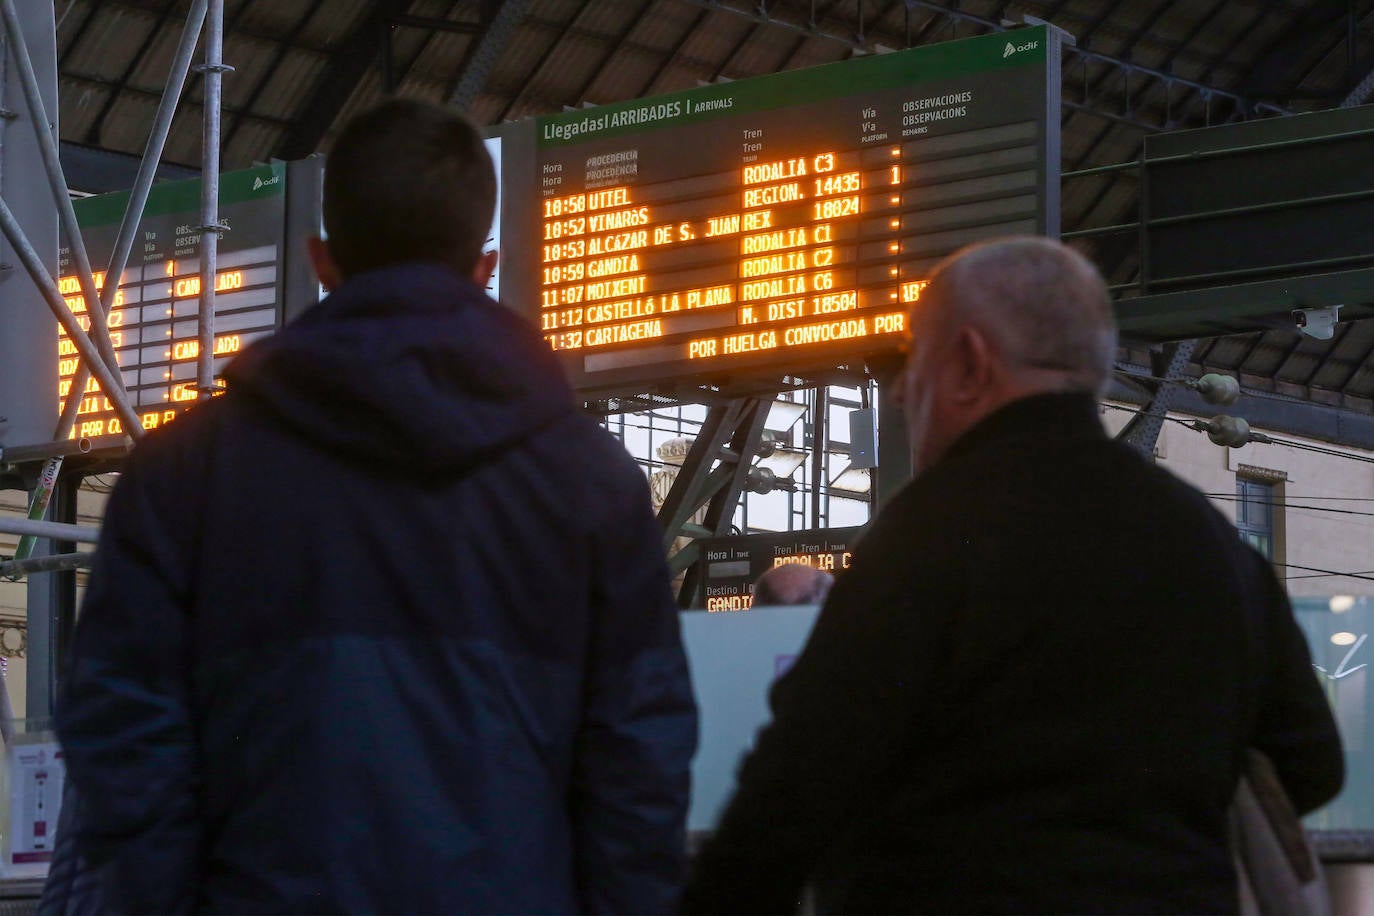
(703, 500)
(213, 71)
(138, 195)
(51, 598)
(713, 476)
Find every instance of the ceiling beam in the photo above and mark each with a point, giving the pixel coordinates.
(277, 57)
(1201, 358)
(97, 124)
(802, 40)
(931, 24)
(1101, 136)
(1361, 91)
(1271, 73)
(1354, 67)
(738, 46)
(1356, 367)
(1342, 331)
(1288, 353)
(1116, 254)
(431, 24)
(617, 44)
(113, 85)
(92, 10)
(1255, 343)
(567, 28)
(347, 65)
(1090, 87)
(153, 7)
(671, 57)
(394, 75)
(499, 25)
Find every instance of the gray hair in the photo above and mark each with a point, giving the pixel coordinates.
(1044, 306)
(792, 583)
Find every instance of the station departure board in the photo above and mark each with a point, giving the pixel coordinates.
(733, 564)
(153, 319)
(783, 223)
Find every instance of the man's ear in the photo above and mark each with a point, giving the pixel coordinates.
(484, 268)
(973, 367)
(326, 269)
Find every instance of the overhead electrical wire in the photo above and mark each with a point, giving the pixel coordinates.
(1324, 573)
(1270, 440)
(1317, 573)
(1348, 499)
(1327, 575)
(1227, 497)
(1320, 450)
(1286, 505)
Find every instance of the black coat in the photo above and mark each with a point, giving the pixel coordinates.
(385, 628)
(1030, 693)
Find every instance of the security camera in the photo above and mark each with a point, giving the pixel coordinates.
(1318, 323)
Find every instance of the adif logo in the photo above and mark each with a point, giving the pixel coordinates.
(1011, 49)
(1008, 51)
(259, 183)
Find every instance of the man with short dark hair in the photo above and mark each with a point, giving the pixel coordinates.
(407, 183)
(1034, 688)
(386, 627)
(792, 583)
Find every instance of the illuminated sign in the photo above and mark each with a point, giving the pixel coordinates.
(785, 223)
(153, 318)
(732, 564)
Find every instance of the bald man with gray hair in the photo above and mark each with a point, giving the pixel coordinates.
(1032, 315)
(1034, 688)
(792, 583)
(1044, 305)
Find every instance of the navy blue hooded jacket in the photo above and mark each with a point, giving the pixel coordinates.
(387, 627)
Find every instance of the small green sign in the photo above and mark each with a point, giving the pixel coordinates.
(258, 183)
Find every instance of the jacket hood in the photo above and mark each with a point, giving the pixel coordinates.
(411, 365)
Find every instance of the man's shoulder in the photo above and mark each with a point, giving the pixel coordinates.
(165, 473)
(577, 446)
(1150, 483)
(1092, 474)
(181, 440)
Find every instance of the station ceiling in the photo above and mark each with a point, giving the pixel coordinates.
(1138, 67)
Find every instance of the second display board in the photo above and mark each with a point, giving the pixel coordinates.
(783, 224)
(153, 318)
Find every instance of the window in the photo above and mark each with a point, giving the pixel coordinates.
(1255, 514)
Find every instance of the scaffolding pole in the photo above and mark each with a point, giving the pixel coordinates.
(33, 263)
(138, 198)
(38, 505)
(58, 448)
(52, 166)
(214, 70)
(57, 531)
(61, 562)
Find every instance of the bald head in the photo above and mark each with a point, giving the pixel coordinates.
(1000, 321)
(1043, 305)
(792, 583)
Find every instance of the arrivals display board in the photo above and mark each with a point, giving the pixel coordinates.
(153, 318)
(785, 223)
